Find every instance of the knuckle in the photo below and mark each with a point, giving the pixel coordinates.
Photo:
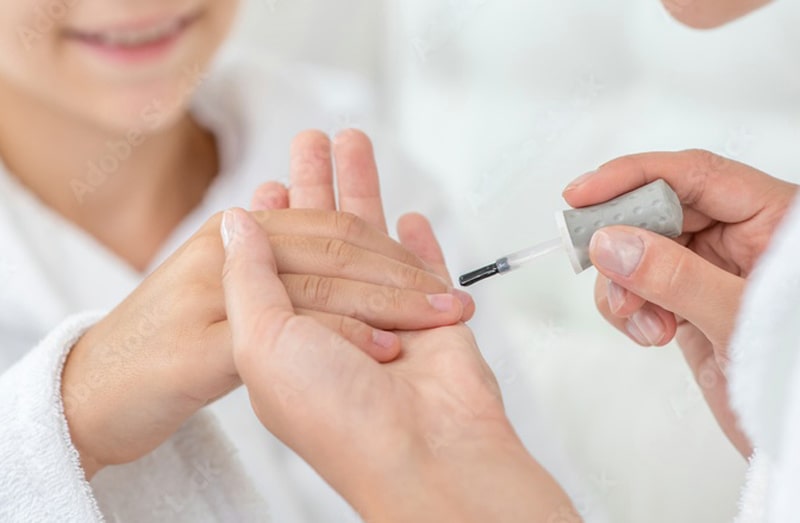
(318, 290)
(673, 281)
(200, 251)
(339, 253)
(395, 299)
(348, 225)
(409, 277)
(705, 164)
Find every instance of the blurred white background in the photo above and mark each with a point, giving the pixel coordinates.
(505, 101)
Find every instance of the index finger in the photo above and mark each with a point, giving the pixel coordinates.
(333, 225)
(721, 188)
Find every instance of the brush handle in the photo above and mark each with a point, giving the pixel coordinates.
(654, 207)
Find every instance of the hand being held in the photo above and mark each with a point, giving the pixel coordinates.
(165, 351)
(655, 289)
(423, 438)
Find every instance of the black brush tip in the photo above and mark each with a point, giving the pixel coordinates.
(471, 278)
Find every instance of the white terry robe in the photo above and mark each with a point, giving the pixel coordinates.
(765, 379)
(53, 276)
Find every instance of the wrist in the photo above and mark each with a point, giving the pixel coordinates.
(490, 478)
(75, 394)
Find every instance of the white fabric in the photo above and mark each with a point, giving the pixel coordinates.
(50, 270)
(765, 379)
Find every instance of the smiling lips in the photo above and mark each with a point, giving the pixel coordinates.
(135, 42)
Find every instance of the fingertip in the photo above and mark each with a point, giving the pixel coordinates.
(467, 304)
(310, 137)
(386, 346)
(573, 193)
(651, 326)
(270, 196)
(351, 135)
(310, 156)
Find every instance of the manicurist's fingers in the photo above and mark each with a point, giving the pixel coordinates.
(387, 308)
(718, 187)
(357, 178)
(336, 258)
(381, 345)
(671, 276)
(645, 323)
(338, 226)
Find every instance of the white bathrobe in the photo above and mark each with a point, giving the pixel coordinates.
(56, 281)
(765, 379)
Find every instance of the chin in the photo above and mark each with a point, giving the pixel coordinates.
(140, 110)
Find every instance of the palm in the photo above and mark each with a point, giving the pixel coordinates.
(444, 385)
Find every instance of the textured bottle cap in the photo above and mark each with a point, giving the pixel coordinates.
(654, 207)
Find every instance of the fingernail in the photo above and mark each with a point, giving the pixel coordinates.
(616, 296)
(579, 180)
(384, 339)
(648, 325)
(442, 302)
(616, 251)
(636, 334)
(463, 297)
(228, 228)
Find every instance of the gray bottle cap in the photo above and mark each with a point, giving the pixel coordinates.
(654, 207)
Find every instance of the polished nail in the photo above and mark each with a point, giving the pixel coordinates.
(442, 302)
(579, 180)
(616, 251)
(616, 296)
(384, 339)
(650, 325)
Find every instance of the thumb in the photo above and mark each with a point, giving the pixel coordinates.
(250, 277)
(299, 374)
(671, 276)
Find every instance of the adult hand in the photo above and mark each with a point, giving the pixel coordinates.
(423, 438)
(655, 289)
(707, 14)
(170, 339)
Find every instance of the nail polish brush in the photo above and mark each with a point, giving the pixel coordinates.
(654, 207)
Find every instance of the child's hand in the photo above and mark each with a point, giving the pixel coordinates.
(170, 341)
(423, 438)
(653, 288)
(312, 178)
(313, 157)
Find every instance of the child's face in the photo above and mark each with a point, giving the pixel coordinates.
(127, 65)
